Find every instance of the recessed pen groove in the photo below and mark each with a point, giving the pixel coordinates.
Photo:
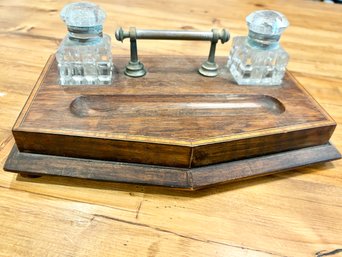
(175, 105)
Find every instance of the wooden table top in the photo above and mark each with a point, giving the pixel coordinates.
(295, 213)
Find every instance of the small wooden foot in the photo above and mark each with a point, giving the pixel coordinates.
(26, 175)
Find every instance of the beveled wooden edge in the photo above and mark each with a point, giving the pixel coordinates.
(34, 92)
(264, 165)
(189, 179)
(29, 163)
(165, 141)
(312, 99)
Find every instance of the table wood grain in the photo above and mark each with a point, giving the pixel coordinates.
(296, 213)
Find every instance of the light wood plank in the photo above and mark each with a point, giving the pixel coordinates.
(296, 213)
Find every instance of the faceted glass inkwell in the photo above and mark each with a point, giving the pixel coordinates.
(84, 56)
(258, 59)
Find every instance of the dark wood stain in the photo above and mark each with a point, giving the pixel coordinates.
(190, 179)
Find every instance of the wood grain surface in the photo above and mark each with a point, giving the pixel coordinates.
(295, 213)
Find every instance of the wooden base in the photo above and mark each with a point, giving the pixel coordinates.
(189, 179)
(172, 127)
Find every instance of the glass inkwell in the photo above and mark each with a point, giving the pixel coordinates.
(258, 59)
(84, 56)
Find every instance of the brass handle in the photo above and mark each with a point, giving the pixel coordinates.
(136, 69)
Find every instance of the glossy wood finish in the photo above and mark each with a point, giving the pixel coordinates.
(296, 213)
(205, 121)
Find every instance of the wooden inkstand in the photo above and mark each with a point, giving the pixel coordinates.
(171, 127)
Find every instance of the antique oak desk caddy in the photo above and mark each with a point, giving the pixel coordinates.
(168, 123)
